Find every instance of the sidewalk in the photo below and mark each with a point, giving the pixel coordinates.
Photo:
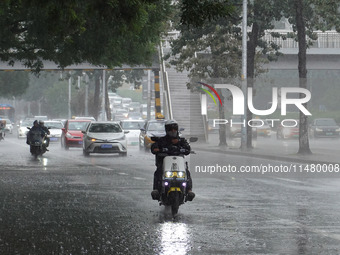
(324, 151)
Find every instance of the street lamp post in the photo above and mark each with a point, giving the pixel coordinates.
(86, 94)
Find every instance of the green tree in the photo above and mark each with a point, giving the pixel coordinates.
(56, 99)
(204, 51)
(13, 83)
(38, 85)
(261, 17)
(220, 39)
(105, 32)
(307, 16)
(114, 79)
(198, 12)
(50, 90)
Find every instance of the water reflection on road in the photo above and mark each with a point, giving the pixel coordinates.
(175, 238)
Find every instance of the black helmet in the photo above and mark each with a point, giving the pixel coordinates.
(35, 122)
(171, 125)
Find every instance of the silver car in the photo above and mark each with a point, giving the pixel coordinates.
(104, 137)
(55, 130)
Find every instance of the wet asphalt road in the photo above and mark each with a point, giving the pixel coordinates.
(64, 203)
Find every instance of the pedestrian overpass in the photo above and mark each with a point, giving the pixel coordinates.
(179, 103)
(323, 54)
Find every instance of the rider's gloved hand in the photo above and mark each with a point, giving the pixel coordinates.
(165, 149)
(174, 141)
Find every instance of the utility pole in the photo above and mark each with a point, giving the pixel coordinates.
(69, 97)
(103, 97)
(86, 94)
(244, 76)
(149, 96)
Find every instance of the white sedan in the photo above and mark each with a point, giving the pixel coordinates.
(22, 128)
(133, 126)
(104, 137)
(55, 130)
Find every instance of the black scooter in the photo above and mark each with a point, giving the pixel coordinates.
(37, 142)
(174, 178)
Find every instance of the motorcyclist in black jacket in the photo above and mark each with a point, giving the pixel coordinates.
(2, 129)
(43, 127)
(171, 142)
(35, 127)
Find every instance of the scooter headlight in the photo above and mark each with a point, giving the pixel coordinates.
(180, 174)
(168, 174)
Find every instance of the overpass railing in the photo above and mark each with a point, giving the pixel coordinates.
(327, 39)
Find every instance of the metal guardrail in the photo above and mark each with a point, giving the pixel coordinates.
(327, 39)
(172, 35)
(166, 84)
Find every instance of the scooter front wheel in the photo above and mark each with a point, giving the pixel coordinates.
(175, 204)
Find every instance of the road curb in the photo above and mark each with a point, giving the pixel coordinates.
(256, 155)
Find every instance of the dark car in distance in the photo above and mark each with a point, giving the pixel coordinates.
(153, 128)
(324, 127)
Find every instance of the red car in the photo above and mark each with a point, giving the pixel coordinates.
(72, 135)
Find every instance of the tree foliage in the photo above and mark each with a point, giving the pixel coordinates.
(197, 12)
(204, 51)
(213, 51)
(107, 32)
(13, 83)
(261, 17)
(307, 16)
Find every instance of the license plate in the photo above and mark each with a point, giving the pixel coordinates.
(329, 133)
(80, 142)
(53, 139)
(134, 143)
(106, 146)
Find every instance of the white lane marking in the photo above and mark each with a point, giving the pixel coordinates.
(139, 178)
(289, 180)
